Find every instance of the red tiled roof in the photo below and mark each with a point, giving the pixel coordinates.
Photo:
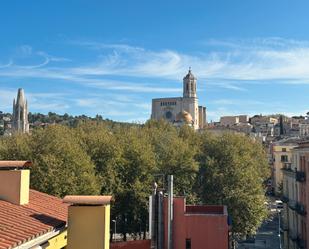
(22, 223)
(15, 164)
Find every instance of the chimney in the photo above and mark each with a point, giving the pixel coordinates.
(14, 181)
(88, 221)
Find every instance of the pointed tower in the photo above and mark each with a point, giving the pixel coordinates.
(189, 85)
(20, 113)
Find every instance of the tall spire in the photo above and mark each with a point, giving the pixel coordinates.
(20, 113)
(20, 97)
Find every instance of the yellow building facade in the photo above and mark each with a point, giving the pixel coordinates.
(281, 154)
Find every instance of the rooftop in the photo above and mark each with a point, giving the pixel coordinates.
(206, 209)
(22, 223)
(14, 164)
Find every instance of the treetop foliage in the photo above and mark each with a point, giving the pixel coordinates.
(124, 160)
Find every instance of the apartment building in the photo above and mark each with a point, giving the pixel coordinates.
(281, 155)
(295, 191)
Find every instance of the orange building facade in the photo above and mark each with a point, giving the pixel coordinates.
(196, 227)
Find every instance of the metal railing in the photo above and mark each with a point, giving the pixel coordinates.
(301, 243)
(283, 225)
(284, 199)
(300, 176)
(293, 235)
(300, 209)
(287, 167)
(292, 204)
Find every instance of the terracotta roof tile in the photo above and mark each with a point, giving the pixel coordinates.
(22, 223)
(15, 164)
(87, 199)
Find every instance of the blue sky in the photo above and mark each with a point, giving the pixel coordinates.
(112, 57)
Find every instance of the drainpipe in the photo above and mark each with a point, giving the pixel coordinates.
(170, 213)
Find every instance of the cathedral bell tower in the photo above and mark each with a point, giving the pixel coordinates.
(189, 85)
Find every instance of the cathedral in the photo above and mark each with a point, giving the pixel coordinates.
(20, 113)
(181, 110)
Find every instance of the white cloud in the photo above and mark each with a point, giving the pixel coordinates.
(243, 61)
(240, 60)
(230, 64)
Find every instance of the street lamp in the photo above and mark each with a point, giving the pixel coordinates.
(279, 235)
(115, 225)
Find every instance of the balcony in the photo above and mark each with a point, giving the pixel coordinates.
(293, 236)
(300, 176)
(301, 243)
(287, 167)
(300, 209)
(292, 204)
(284, 226)
(284, 199)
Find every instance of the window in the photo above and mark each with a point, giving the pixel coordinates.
(188, 243)
(284, 158)
(168, 115)
(283, 149)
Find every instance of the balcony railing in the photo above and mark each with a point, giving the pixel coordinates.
(287, 167)
(301, 243)
(284, 226)
(300, 176)
(300, 209)
(292, 234)
(284, 199)
(292, 204)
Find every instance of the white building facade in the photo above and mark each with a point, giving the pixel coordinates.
(173, 109)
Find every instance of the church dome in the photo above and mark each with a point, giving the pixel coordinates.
(185, 117)
(189, 75)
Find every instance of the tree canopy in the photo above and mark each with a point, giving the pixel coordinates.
(94, 157)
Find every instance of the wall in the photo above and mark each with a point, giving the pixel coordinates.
(136, 244)
(159, 111)
(229, 120)
(278, 164)
(88, 227)
(206, 230)
(14, 186)
(57, 242)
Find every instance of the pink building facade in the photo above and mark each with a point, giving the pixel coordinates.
(197, 227)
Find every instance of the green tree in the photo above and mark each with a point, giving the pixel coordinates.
(232, 171)
(60, 166)
(135, 172)
(175, 153)
(125, 165)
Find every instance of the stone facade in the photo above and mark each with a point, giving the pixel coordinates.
(20, 113)
(171, 109)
